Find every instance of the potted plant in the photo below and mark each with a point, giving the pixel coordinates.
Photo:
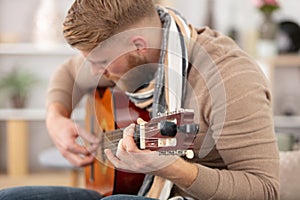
(18, 84)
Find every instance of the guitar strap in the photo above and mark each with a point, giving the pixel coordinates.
(173, 65)
(170, 84)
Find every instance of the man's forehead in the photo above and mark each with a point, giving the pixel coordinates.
(104, 52)
(99, 53)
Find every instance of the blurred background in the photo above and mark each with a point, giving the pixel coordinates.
(32, 47)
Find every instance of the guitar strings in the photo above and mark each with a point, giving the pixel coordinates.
(113, 144)
(119, 135)
(112, 138)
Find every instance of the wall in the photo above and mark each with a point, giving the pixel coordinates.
(17, 17)
(240, 14)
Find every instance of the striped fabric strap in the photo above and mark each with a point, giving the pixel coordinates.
(169, 85)
(174, 62)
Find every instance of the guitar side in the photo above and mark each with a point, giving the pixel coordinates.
(109, 110)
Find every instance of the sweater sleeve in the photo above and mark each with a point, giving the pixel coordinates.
(244, 138)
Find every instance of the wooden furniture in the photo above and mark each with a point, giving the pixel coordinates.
(17, 147)
(17, 137)
(17, 143)
(282, 61)
(284, 73)
(285, 98)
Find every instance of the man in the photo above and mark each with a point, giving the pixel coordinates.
(163, 64)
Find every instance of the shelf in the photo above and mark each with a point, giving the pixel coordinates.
(35, 49)
(22, 114)
(34, 114)
(287, 122)
(286, 60)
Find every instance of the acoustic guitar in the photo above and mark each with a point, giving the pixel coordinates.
(107, 112)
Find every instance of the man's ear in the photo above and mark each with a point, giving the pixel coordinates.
(139, 43)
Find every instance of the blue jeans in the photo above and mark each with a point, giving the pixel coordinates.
(126, 197)
(48, 193)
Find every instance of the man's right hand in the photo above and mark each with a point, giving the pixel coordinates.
(64, 133)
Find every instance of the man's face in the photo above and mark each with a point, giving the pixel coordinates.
(129, 71)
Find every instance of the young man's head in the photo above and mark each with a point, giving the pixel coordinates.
(90, 22)
(117, 37)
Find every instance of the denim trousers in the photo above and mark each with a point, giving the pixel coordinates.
(59, 193)
(126, 197)
(48, 193)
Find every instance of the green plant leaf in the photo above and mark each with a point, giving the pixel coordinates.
(18, 82)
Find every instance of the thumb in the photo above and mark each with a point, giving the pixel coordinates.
(140, 121)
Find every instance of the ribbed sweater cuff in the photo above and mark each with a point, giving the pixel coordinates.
(206, 183)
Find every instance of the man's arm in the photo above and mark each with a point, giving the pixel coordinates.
(64, 132)
(71, 81)
(245, 144)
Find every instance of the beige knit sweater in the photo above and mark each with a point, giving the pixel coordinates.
(236, 149)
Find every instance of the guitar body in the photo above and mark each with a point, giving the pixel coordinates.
(109, 110)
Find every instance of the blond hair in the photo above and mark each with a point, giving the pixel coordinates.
(90, 22)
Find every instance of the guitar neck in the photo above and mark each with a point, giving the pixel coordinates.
(168, 134)
(110, 139)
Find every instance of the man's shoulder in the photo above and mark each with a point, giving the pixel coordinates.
(221, 57)
(215, 43)
(76, 59)
(220, 50)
